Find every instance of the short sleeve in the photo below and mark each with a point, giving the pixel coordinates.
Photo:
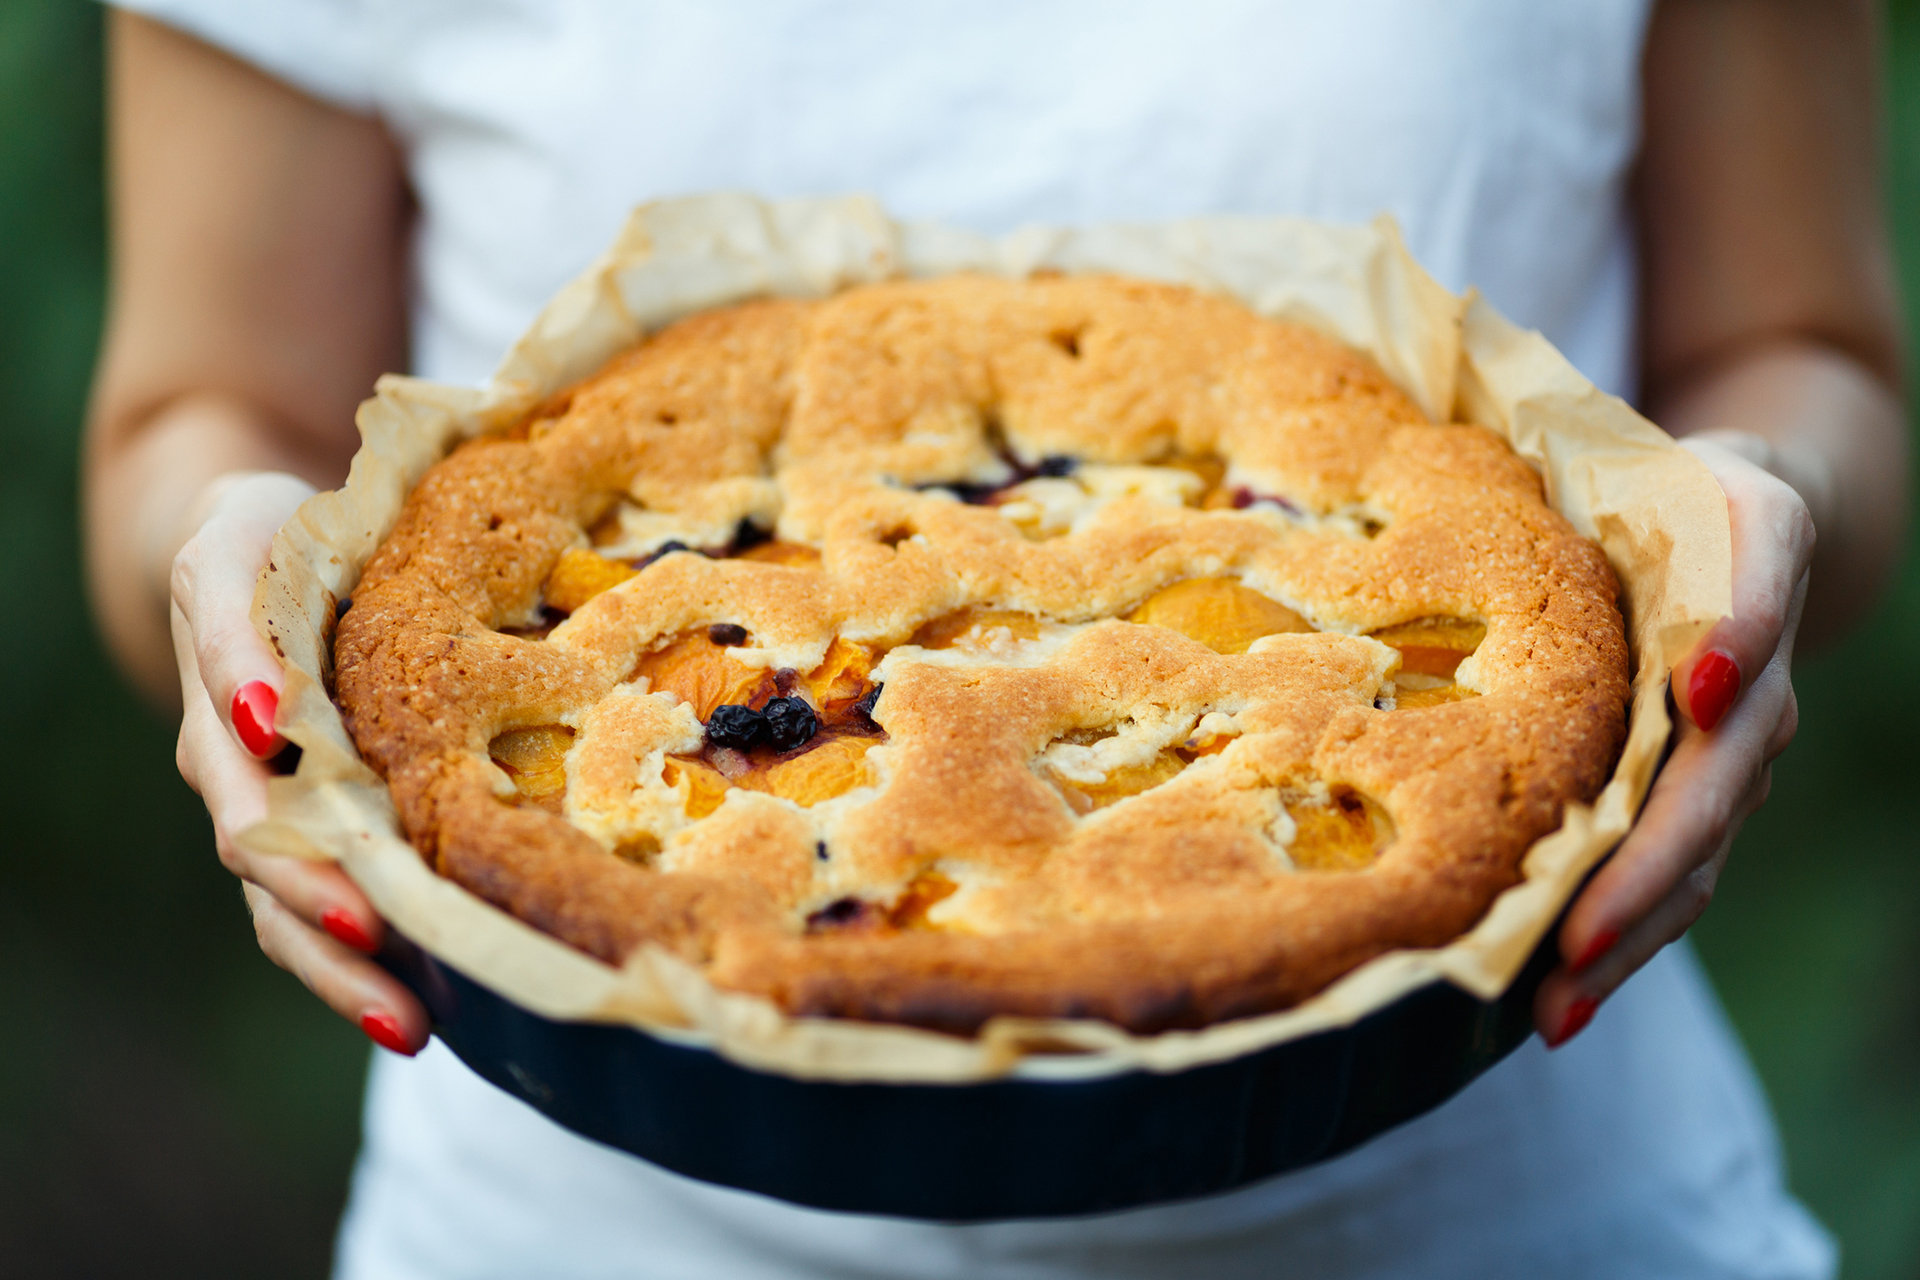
(322, 47)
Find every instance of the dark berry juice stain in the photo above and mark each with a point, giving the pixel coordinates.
(746, 536)
(664, 549)
(1244, 497)
(977, 494)
(844, 914)
(974, 495)
(549, 619)
(864, 707)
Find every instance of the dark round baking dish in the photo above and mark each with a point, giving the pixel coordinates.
(1009, 1148)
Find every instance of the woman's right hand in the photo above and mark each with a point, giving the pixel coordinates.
(311, 920)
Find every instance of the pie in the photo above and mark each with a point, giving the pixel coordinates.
(1070, 646)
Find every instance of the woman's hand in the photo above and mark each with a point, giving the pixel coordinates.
(310, 919)
(1771, 342)
(1735, 695)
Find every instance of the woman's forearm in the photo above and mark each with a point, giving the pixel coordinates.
(1821, 421)
(149, 485)
(1768, 300)
(259, 248)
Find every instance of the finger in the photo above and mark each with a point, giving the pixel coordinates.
(1568, 998)
(1663, 924)
(320, 895)
(1659, 883)
(1773, 539)
(234, 786)
(1708, 787)
(213, 583)
(231, 781)
(351, 985)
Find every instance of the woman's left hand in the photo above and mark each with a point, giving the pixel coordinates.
(1735, 695)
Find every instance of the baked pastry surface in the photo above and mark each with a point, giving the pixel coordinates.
(1063, 647)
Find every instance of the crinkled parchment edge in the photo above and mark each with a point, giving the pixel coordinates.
(1657, 512)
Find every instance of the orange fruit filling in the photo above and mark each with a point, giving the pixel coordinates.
(641, 849)
(1408, 699)
(1433, 646)
(535, 759)
(776, 552)
(1345, 834)
(1212, 470)
(919, 897)
(909, 911)
(1127, 780)
(970, 627)
(1431, 651)
(706, 785)
(841, 679)
(579, 576)
(1221, 613)
(833, 767)
(698, 672)
(1211, 745)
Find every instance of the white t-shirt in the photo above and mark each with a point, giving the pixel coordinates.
(1499, 132)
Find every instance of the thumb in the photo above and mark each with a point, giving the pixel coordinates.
(213, 582)
(1773, 541)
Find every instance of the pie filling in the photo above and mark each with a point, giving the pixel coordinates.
(535, 760)
(908, 911)
(805, 737)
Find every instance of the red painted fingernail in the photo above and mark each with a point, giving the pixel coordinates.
(254, 705)
(1602, 943)
(384, 1030)
(1714, 685)
(337, 922)
(1579, 1014)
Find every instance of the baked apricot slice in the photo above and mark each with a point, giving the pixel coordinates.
(833, 768)
(706, 785)
(787, 553)
(1431, 651)
(701, 674)
(973, 627)
(535, 759)
(1120, 783)
(841, 679)
(1222, 613)
(578, 576)
(1345, 834)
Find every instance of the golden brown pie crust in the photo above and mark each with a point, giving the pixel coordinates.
(972, 851)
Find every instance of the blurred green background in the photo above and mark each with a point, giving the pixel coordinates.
(171, 1104)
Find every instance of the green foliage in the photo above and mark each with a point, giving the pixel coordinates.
(174, 1105)
(1814, 936)
(170, 1104)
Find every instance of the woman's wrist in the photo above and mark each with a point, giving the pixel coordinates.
(1801, 467)
(1826, 425)
(168, 522)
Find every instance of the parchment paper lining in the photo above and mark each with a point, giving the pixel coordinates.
(1654, 509)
